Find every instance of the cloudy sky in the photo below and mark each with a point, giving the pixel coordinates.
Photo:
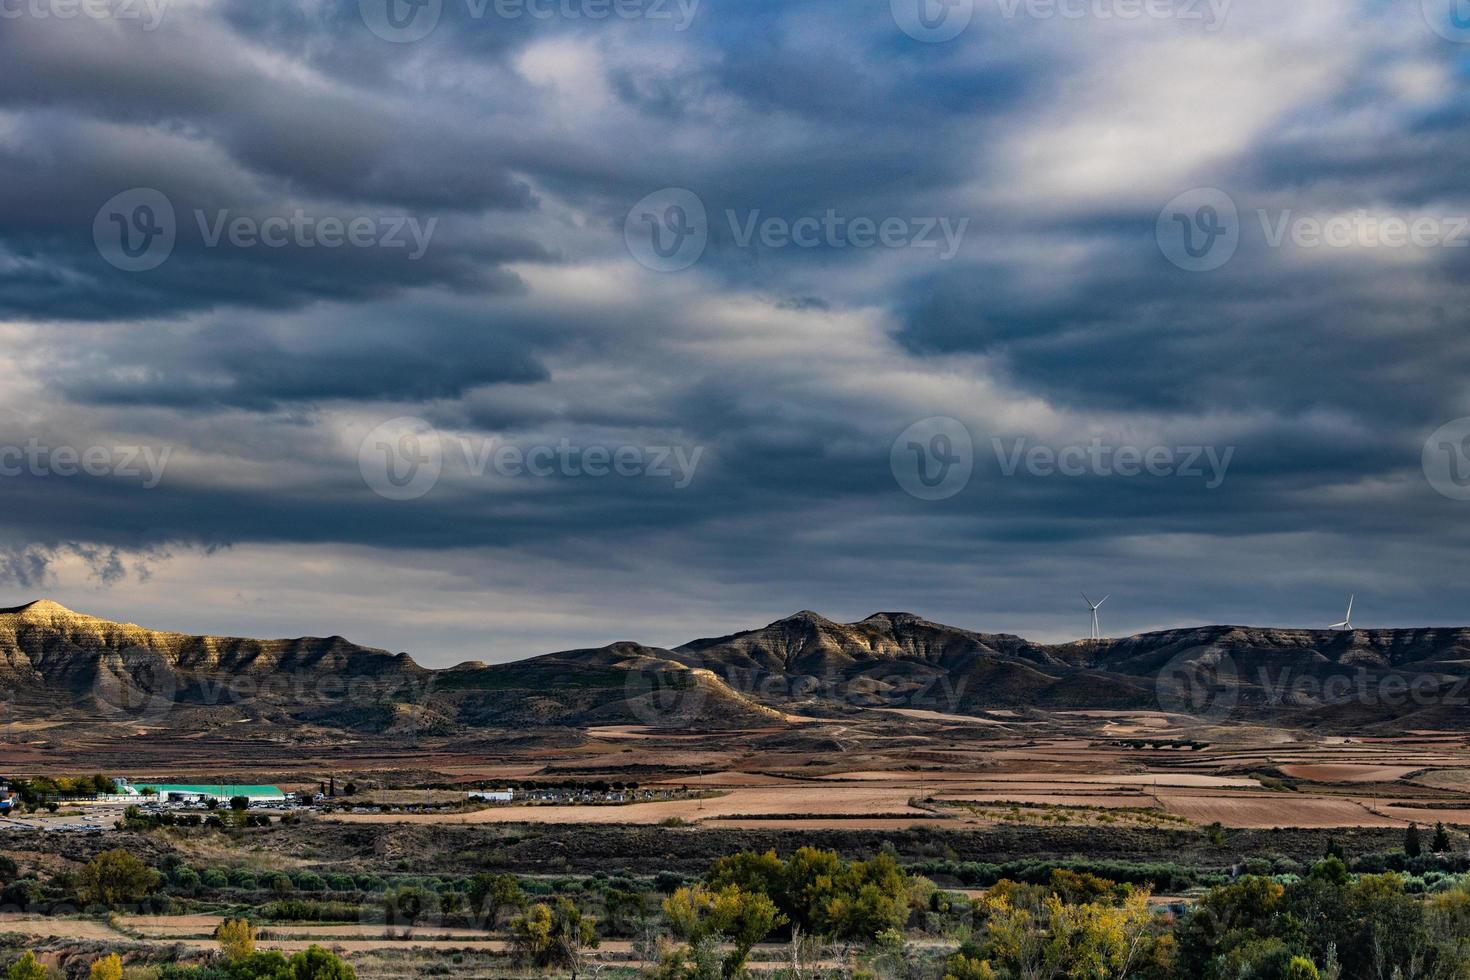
(482, 328)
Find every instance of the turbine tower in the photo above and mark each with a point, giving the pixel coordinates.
(1347, 623)
(1096, 635)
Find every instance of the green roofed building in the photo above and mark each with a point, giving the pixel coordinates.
(194, 792)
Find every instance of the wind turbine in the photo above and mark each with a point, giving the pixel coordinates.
(1347, 623)
(1093, 606)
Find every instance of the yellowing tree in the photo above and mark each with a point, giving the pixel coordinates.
(554, 935)
(26, 968)
(115, 878)
(107, 968)
(236, 938)
(961, 967)
(1058, 939)
(699, 915)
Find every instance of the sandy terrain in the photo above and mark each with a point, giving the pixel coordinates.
(1050, 799)
(32, 925)
(1274, 811)
(1348, 773)
(923, 715)
(796, 800)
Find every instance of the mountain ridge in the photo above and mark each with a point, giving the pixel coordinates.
(799, 665)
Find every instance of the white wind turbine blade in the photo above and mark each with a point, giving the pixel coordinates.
(1086, 600)
(1104, 598)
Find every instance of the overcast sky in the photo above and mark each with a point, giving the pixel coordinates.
(484, 328)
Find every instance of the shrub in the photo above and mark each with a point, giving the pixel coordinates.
(21, 895)
(410, 905)
(319, 964)
(185, 878)
(310, 881)
(107, 968)
(26, 968)
(298, 910)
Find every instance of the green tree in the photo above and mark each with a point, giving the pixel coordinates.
(751, 872)
(1441, 844)
(238, 803)
(821, 893)
(26, 968)
(1227, 919)
(1413, 847)
(115, 878)
(494, 896)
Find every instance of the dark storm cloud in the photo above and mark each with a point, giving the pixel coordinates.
(249, 367)
(1255, 337)
(792, 370)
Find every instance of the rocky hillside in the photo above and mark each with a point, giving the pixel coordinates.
(55, 662)
(46, 642)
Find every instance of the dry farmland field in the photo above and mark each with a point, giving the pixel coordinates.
(960, 800)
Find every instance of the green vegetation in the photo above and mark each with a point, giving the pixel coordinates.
(1042, 814)
(26, 968)
(711, 921)
(492, 897)
(114, 879)
(1266, 918)
(554, 935)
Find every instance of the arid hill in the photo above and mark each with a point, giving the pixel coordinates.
(56, 663)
